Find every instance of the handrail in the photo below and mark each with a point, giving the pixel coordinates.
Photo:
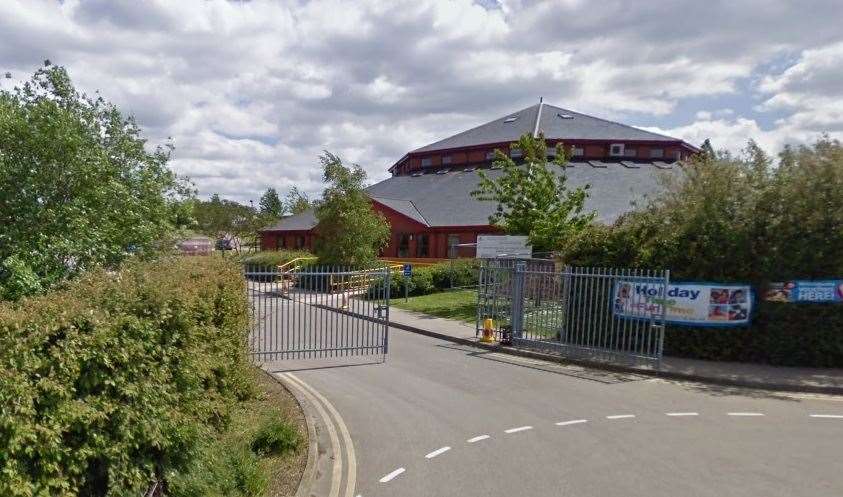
(283, 267)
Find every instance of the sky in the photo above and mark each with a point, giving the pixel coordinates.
(251, 92)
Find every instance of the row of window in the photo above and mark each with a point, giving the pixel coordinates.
(615, 150)
(423, 245)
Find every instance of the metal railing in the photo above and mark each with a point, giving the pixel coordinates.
(581, 312)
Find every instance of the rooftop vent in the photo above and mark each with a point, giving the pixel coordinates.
(469, 169)
(417, 174)
(510, 119)
(443, 171)
(564, 116)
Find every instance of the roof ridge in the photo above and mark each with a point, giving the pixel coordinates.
(476, 127)
(613, 122)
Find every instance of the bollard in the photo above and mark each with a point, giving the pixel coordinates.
(488, 336)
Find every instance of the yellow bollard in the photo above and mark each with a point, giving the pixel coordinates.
(488, 336)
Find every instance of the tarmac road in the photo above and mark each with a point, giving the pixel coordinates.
(437, 419)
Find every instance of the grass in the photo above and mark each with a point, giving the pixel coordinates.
(460, 304)
(262, 453)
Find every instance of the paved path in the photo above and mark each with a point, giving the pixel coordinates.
(438, 419)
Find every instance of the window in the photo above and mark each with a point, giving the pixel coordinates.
(630, 152)
(616, 149)
(426, 162)
(281, 242)
(656, 153)
(678, 154)
(423, 245)
(403, 245)
(551, 151)
(453, 246)
(490, 155)
(446, 159)
(299, 242)
(577, 151)
(515, 153)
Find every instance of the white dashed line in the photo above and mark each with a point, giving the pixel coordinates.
(392, 475)
(827, 416)
(437, 452)
(477, 438)
(682, 413)
(573, 422)
(745, 413)
(520, 428)
(621, 416)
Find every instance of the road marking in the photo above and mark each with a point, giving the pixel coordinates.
(336, 470)
(437, 452)
(621, 416)
(392, 475)
(351, 480)
(745, 413)
(477, 438)
(573, 422)
(682, 413)
(520, 428)
(827, 416)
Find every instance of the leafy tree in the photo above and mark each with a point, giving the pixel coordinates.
(271, 205)
(533, 199)
(297, 201)
(227, 220)
(349, 231)
(707, 150)
(78, 185)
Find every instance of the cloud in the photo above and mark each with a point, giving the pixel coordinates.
(252, 92)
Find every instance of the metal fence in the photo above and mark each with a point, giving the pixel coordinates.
(577, 312)
(317, 312)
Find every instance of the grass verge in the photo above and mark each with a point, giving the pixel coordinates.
(460, 304)
(262, 453)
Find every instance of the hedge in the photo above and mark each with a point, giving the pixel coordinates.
(458, 273)
(110, 382)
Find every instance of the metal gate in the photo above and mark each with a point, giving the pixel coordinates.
(317, 312)
(592, 313)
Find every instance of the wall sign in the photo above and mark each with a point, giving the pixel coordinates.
(805, 291)
(693, 304)
(493, 246)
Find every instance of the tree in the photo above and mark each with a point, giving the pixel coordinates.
(707, 150)
(78, 185)
(271, 205)
(297, 201)
(348, 230)
(227, 220)
(532, 198)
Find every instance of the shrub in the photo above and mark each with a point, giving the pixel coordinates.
(459, 273)
(274, 257)
(115, 379)
(17, 279)
(275, 437)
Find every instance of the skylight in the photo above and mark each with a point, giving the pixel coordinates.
(564, 116)
(510, 119)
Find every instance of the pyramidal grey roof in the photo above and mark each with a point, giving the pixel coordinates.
(554, 122)
(444, 200)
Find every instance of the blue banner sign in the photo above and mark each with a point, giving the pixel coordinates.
(693, 304)
(806, 291)
(408, 270)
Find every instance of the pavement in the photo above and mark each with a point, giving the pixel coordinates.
(441, 418)
(815, 380)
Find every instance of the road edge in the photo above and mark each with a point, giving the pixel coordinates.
(309, 474)
(670, 375)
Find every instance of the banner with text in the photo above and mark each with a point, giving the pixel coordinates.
(696, 304)
(806, 291)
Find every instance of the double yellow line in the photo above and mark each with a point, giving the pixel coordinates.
(337, 430)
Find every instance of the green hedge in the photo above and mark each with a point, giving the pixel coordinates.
(458, 273)
(111, 382)
(274, 257)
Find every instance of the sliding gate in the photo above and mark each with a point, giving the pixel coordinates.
(590, 313)
(317, 312)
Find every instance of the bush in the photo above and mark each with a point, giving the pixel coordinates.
(459, 273)
(275, 437)
(274, 257)
(116, 379)
(17, 279)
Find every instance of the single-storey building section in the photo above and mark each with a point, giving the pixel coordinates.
(428, 200)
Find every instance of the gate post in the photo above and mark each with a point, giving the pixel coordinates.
(566, 303)
(663, 317)
(518, 299)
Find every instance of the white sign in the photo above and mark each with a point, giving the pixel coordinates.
(494, 246)
(696, 304)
